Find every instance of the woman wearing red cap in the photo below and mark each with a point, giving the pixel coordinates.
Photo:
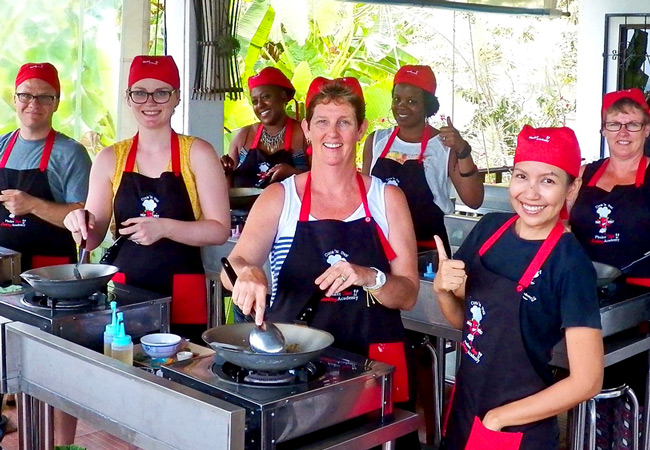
(518, 285)
(611, 215)
(274, 148)
(421, 159)
(168, 195)
(340, 243)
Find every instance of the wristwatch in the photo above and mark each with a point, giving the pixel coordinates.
(465, 152)
(380, 281)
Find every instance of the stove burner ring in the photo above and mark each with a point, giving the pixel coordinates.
(257, 378)
(37, 300)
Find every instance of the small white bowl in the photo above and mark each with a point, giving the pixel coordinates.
(160, 345)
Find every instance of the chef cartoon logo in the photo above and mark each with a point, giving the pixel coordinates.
(392, 180)
(474, 329)
(262, 172)
(350, 294)
(149, 205)
(529, 297)
(603, 221)
(12, 221)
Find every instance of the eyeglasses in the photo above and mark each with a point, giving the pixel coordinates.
(160, 96)
(43, 99)
(630, 126)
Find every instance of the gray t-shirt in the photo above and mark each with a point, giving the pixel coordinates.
(68, 169)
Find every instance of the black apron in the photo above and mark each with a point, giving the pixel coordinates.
(358, 323)
(39, 242)
(495, 368)
(167, 266)
(613, 226)
(252, 171)
(428, 218)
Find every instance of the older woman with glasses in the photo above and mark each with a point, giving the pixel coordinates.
(168, 194)
(611, 215)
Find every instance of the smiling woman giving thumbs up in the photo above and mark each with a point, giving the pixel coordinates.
(519, 284)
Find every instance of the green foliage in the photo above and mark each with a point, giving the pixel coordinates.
(84, 47)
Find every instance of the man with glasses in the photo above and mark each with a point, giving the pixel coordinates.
(43, 174)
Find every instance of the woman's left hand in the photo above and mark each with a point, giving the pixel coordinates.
(490, 421)
(343, 275)
(451, 137)
(144, 230)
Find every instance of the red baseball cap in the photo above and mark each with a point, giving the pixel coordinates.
(43, 71)
(636, 95)
(271, 76)
(162, 68)
(556, 146)
(418, 76)
(319, 83)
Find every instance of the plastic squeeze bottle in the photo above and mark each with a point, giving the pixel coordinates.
(111, 330)
(122, 346)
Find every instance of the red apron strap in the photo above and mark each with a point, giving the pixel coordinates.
(258, 135)
(640, 172)
(495, 237)
(45, 157)
(542, 254)
(389, 143)
(426, 135)
(288, 134)
(427, 132)
(47, 150)
(545, 250)
(130, 159)
(306, 200)
(598, 174)
(388, 250)
(175, 151)
(9, 148)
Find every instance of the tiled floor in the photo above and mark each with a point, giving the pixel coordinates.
(87, 436)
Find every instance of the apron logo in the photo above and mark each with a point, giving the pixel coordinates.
(474, 329)
(149, 204)
(334, 256)
(392, 180)
(603, 221)
(526, 295)
(262, 172)
(11, 221)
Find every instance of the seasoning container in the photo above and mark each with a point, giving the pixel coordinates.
(111, 330)
(429, 274)
(122, 346)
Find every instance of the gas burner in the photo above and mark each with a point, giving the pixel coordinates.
(37, 300)
(300, 375)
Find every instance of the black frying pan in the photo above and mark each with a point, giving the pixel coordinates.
(607, 273)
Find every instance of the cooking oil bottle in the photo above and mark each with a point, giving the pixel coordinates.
(110, 330)
(122, 346)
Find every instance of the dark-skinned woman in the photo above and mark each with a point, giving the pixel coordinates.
(274, 148)
(422, 160)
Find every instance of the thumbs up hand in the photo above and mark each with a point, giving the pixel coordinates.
(451, 137)
(451, 272)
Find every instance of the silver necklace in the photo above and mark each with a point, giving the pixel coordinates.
(274, 142)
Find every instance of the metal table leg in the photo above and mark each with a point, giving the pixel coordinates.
(438, 387)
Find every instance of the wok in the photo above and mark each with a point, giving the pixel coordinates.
(60, 282)
(606, 273)
(304, 344)
(243, 197)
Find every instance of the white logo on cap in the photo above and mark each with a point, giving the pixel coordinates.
(414, 72)
(148, 61)
(540, 138)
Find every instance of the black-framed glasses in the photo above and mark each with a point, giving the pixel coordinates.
(630, 126)
(159, 96)
(43, 99)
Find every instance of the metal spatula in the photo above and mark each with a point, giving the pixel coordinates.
(82, 252)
